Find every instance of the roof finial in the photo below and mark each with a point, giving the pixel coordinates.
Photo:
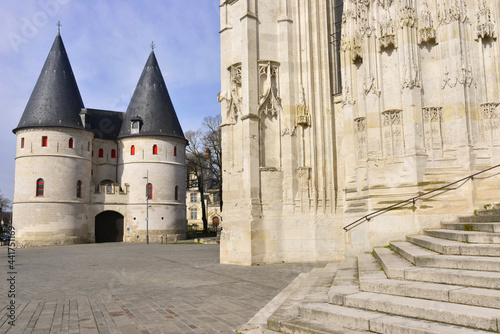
(58, 28)
(152, 46)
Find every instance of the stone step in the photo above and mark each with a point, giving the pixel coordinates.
(449, 313)
(465, 236)
(393, 264)
(378, 322)
(471, 278)
(433, 291)
(452, 247)
(346, 281)
(473, 226)
(479, 219)
(288, 309)
(491, 212)
(308, 326)
(423, 257)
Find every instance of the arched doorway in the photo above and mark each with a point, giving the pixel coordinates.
(109, 227)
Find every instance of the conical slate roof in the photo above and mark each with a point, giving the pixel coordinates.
(55, 100)
(151, 105)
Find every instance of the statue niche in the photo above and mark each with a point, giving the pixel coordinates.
(270, 111)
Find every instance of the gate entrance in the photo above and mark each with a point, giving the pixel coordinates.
(109, 227)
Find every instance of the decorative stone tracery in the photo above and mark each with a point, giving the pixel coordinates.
(490, 121)
(485, 25)
(426, 30)
(232, 99)
(393, 132)
(432, 129)
(269, 100)
(303, 117)
(360, 130)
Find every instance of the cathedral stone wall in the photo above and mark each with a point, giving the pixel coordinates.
(416, 108)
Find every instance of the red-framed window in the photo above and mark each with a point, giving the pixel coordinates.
(149, 191)
(22, 142)
(176, 193)
(113, 154)
(101, 153)
(175, 151)
(132, 150)
(79, 189)
(40, 185)
(70, 143)
(45, 140)
(155, 149)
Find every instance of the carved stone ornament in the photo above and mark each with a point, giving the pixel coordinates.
(392, 117)
(384, 3)
(452, 10)
(407, 17)
(232, 99)
(369, 85)
(347, 98)
(360, 130)
(426, 30)
(288, 132)
(485, 25)
(432, 114)
(303, 176)
(269, 100)
(411, 76)
(303, 117)
(387, 34)
(488, 110)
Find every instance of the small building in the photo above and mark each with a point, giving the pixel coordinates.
(89, 175)
(194, 209)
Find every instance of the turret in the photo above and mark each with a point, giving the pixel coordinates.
(53, 159)
(153, 161)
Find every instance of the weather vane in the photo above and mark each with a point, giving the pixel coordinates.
(58, 27)
(152, 46)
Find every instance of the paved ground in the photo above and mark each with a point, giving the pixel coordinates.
(135, 288)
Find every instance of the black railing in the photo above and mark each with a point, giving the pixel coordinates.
(412, 200)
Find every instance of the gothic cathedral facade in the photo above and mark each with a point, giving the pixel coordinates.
(334, 109)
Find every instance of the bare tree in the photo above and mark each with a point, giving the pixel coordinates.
(5, 203)
(212, 142)
(196, 164)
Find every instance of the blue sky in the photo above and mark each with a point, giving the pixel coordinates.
(108, 42)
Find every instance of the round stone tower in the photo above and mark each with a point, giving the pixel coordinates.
(152, 161)
(53, 160)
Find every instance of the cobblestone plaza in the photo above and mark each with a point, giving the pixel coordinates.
(136, 288)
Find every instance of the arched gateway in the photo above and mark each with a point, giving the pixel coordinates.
(109, 227)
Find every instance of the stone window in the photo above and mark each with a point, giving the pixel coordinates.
(22, 142)
(113, 154)
(176, 193)
(40, 184)
(101, 153)
(44, 141)
(70, 143)
(194, 213)
(79, 189)
(132, 150)
(337, 10)
(194, 197)
(175, 151)
(149, 191)
(155, 149)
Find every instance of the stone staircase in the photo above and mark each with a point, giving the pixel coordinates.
(444, 281)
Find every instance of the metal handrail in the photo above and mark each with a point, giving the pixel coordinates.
(444, 189)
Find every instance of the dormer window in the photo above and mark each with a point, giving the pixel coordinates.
(135, 124)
